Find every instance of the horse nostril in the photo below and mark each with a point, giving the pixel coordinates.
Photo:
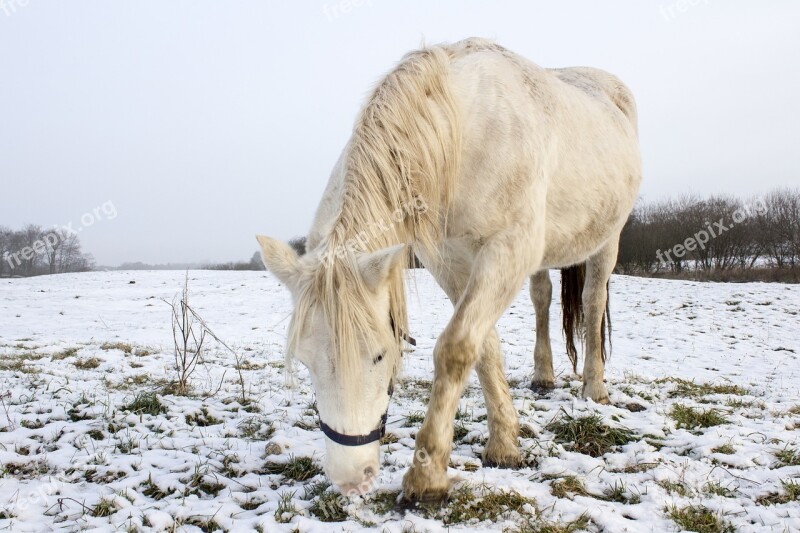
(369, 472)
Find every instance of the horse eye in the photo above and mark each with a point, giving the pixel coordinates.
(378, 358)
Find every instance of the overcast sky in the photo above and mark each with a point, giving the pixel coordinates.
(205, 122)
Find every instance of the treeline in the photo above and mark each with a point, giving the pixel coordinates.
(255, 263)
(34, 251)
(718, 238)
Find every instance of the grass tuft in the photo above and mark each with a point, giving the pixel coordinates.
(145, 403)
(65, 353)
(151, 490)
(286, 509)
(105, 507)
(676, 487)
(791, 493)
(414, 418)
(384, 502)
(619, 493)
(691, 417)
(568, 486)
(327, 506)
(202, 419)
(588, 434)
(296, 468)
(122, 346)
(464, 506)
(545, 526)
(725, 449)
(788, 457)
(716, 488)
(699, 519)
(689, 389)
(87, 364)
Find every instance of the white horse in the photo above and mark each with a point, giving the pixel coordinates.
(494, 170)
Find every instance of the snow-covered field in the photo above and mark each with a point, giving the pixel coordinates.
(80, 356)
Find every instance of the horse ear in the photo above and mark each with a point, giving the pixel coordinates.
(376, 267)
(281, 260)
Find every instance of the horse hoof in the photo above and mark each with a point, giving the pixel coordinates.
(602, 401)
(510, 463)
(597, 392)
(429, 500)
(542, 387)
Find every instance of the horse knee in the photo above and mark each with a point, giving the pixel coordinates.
(455, 357)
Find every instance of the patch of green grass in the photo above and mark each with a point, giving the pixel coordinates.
(725, 449)
(95, 434)
(286, 509)
(630, 391)
(327, 507)
(791, 493)
(145, 403)
(32, 424)
(251, 504)
(204, 524)
(737, 403)
(545, 526)
(202, 419)
(465, 505)
(588, 434)
(151, 490)
(692, 417)
(87, 364)
(312, 490)
(256, 428)
(676, 487)
(104, 507)
(383, 502)
(689, 389)
(788, 457)
(699, 519)
(716, 488)
(296, 468)
(201, 482)
(26, 470)
(414, 418)
(568, 486)
(460, 431)
(618, 492)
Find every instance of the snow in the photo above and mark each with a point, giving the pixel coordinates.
(68, 442)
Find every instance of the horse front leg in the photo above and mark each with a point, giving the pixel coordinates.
(501, 449)
(497, 275)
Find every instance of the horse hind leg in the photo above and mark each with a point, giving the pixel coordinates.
(595, 299)
(541, 290)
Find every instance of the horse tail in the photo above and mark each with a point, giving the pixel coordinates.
(572, 284)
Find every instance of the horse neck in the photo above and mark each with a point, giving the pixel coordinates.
(347, 219)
